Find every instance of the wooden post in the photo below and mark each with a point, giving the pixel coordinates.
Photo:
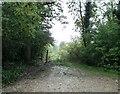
(46, 56)
(41, 57)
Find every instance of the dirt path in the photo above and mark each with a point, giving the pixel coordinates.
(63, 79)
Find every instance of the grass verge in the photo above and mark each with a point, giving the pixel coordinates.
(95, 69)
(89, 68)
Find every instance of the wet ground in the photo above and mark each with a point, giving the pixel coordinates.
(57, 78)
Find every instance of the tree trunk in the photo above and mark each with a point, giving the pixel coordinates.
(28, 53)
(83, 27)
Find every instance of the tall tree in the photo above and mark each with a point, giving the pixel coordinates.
(83, 18)
(26, 28)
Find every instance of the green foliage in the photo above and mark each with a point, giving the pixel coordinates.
(103, 49)
(23, 27)
(26, 25)
(12, 72)
(26, 34)
(111, 59)
(53, 52)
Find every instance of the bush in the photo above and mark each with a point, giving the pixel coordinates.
(12, 73)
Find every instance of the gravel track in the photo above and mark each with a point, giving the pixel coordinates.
(57, 78)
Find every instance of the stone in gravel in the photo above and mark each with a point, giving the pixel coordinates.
(60, 84)
(116, 81)
(64, 73)
(70, 73)
(42, 70)
(107, 80)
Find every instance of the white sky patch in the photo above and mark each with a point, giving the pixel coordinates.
(64, 34)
